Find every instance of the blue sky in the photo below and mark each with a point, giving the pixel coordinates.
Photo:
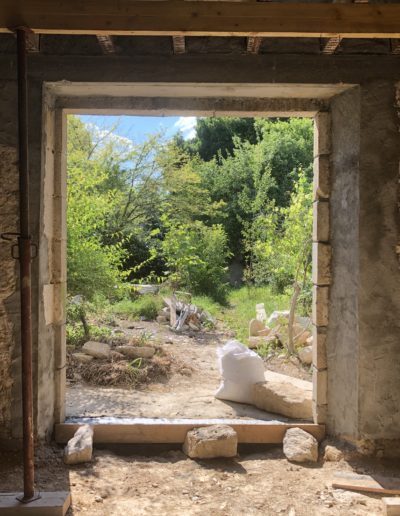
(137, 127)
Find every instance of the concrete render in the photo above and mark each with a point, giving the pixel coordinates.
(363, 360)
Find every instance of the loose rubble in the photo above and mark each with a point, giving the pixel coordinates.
(211, 442)
(185, 316)
(300, 446)
(79, 449)
(96, 349)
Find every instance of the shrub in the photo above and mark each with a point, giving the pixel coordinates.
(146, 306)
(196, 256)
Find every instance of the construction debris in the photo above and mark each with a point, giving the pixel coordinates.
(332, 454)
(240, 369)
(300, 446)
(184, 316)
(305, 355)
(210, 442)
(282, 394)
(366, 483)
(79, 449)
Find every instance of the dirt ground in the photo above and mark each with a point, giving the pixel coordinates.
(188, 392)
(255, 483)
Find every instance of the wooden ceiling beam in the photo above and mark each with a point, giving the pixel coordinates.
(253, 44)
(179, 44)
(177, 18)
(106, 43)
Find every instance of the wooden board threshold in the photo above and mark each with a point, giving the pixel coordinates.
(164, 431)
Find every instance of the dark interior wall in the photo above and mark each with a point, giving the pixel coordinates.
(367, 160)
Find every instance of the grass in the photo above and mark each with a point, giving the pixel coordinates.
(241, 307)
(146, 306)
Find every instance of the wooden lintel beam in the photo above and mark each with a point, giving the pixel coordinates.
(196, 18)
(179, 45)
(330, 45)
(106, 43)
(253, 44)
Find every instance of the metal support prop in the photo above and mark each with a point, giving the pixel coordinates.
(24, 245)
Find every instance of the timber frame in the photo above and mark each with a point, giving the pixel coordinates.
(197, 18)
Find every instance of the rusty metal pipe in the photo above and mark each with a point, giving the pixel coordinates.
(24, 245)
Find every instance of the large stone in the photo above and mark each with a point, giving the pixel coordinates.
(260, 312)
(282, 394)
(276, 316)
(136, 351)
(210, 442)
(96, 349)
(79, 449)
(255, 326)
(305, 355)
(300, 446)
(82, 358)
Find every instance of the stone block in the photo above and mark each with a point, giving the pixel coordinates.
(305, 355)
(53, 503)
(321, 227)
(96, 349)
(321, 180)
(82, 358)
(79, 449)
(282, 394)
(255, 326)
(320, 386)
(136, 351)
(322, 133)
(320, 306)
(320, 413)
(332, 454)
(321, 263)
(300, 446)
(319, 347)
(210, 442)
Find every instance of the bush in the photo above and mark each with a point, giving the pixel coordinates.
(196, 256)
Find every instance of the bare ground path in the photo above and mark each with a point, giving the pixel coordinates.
(188, 392)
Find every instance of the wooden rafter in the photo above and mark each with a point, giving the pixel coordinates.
(106, 43)
(330, 45)
(253, 44)
(32, 42)
(179, 45)
(177, 18)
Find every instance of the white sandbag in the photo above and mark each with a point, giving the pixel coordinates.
(240, 369)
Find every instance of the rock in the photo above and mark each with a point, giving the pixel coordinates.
(82, 358)
(254, 342)
(305, 355)
(332, 454)
(193, 326)
(265, 332)
(310, 341)
(114, 355)
(282, 394)
(255, 326)
(300, 446)
(162, 319)
(300, 335)
(96, 349)
(136, 351)
(209, 442)
(79, 449)
(276, 315)
(260, 312)
(304, 322)
(166, 311)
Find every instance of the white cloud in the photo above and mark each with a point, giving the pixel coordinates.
(187, 125)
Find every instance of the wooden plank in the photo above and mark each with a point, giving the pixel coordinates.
(106, 43)
(49, 504)
(392, 506)
(366, 483)
(151, 431)
(178, 44)
(177, 18)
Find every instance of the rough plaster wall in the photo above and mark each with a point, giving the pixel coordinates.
(342, 337)
(379, 295)
(9, 267)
